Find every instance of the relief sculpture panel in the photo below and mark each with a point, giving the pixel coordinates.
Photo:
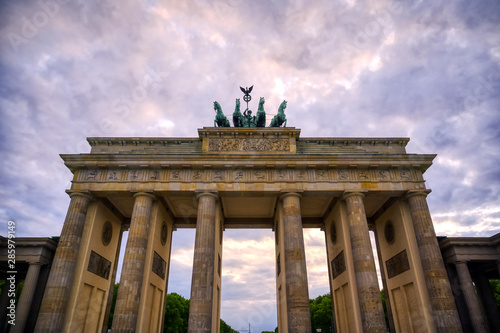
(249, 145)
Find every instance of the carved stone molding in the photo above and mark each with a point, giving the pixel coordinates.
(248, 173)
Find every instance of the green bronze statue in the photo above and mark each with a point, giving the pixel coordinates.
(220, 118)
(237, 116)
(280, 118)
(260, 118)
(248, 119)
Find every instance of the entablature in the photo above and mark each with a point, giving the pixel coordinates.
(247, 141)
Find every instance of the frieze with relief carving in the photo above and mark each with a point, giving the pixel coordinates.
(241, 175)
(249, 145)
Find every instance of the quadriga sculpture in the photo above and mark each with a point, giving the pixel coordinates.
(220, 118)
(280, 118)
(260, 117)
(237, 116)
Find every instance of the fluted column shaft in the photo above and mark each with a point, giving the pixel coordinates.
(438, 286)
(471, 299)
(57, 290)
(201, 303)
(26, 297)
(129, 292)
(297, 291)
(370, 302)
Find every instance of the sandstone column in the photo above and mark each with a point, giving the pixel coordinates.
(57, 290)
(370, 302)
(129, 292)
(438, 286)
(26, 297)
(488, 300)
(476, 315)
(202, 284)
(297, 291)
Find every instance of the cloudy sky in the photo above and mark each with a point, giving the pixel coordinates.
(427, 70)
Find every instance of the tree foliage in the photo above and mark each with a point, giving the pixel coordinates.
(176, 314)
(495, 287)
(113, 303)
(321, 313)
(225, 328)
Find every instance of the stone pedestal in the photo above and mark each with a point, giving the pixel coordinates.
(200, 310)
(129, 292)
(57, 290)
(297, 292)
(476, 315)
(26, 297)
(440, 294)
(370, 302)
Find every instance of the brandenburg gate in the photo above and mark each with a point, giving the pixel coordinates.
(248, 177)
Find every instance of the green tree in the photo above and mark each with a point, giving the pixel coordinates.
(113, 303)
(225, 328)
(384, 305)
(321, 313)
(495, 287)
(176, 314)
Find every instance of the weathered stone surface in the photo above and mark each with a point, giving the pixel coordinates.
(250, 169)
(200, 309)
(440, 294)
(372, 312)
(55, 300)
(297, 292)
(129, 293)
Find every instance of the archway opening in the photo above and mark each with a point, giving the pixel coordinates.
(248, 294)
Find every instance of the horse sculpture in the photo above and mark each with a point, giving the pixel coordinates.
(220, 118)
(280, 118)
(237, 116)
(260, 117)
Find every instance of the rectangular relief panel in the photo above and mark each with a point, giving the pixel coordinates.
(99, 265)
(338, 265)
(397, 264)
(159, 265)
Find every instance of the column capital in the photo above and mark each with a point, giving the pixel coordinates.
(414, 193)
(213, 194)
(84, 194)
(284, 194)
(346, 195)
(145, 194)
